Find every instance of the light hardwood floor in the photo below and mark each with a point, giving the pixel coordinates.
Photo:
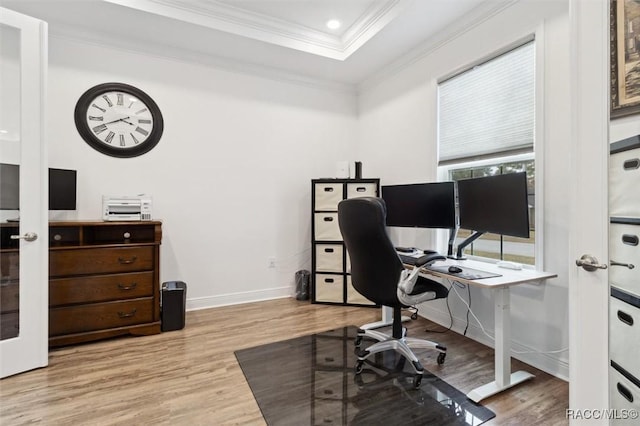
(192, 377)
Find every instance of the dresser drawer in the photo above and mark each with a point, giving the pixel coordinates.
(327, 196)
(326, 227)
(624, 175)
(624, 330)
(329, 257)
(100, 260)
(100, 316)
(329, 288)
(9, 297)
(100, 288)
(355, 190)
(624, 251)
(624, 395)
(10, 265)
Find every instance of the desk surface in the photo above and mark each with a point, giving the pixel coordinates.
(508, 277)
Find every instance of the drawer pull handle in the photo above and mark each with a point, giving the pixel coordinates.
(127, 287)
(328, 280)
(361, 189)
(123, 261)
(626, 393)
(328, 219)
(626, 265)
(328, 189)
(632, 164)
(127, 315)
(630, 240)
(328, 250)
(625, 318)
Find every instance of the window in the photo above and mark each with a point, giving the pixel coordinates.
(486, 126)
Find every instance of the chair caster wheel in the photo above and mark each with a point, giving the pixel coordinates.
(359, 366)
(417, 380)
(441, 358)
(358, 341)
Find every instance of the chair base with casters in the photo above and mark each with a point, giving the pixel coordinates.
(398, 342)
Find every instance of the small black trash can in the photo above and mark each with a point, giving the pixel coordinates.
(174, 300)
(303, 278)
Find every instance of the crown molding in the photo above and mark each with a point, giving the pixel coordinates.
(90, 37)
(236, 20)
(471, 20)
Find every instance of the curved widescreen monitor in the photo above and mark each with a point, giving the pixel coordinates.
(496, 204)
(421, 205)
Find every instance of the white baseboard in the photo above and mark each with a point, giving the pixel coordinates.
(542, 361)
(197, 303)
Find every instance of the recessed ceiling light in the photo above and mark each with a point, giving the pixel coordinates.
(333, 24)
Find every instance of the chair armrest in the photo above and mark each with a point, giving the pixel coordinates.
(428, 258)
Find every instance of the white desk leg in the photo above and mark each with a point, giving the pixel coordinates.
(504, 378)
(387, 319)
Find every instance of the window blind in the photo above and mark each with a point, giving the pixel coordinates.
(488, 109)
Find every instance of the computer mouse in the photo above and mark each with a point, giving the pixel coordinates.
(455, 269)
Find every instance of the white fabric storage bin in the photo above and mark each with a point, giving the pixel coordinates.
(329, 287)
(327, 196)
(329, 257)
(624, 180)
(326, 227)
(624, 256)
(624, 331)
(353, 296)
(624, 396)
(355, 190)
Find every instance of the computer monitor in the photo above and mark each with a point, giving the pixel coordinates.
(420, 205)
(62, 189)
(9, 186)
(496, 204)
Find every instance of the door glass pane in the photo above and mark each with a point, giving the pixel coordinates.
(10, 139)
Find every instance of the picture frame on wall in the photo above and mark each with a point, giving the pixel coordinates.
(625, 57)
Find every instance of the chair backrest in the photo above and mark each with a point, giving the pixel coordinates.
(375, 265)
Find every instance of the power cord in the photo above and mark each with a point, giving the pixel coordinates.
(450, 315)
(493, 338)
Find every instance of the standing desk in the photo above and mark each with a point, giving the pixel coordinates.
(504, 378)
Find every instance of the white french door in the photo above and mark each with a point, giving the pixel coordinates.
(24, 244)
(589, 290)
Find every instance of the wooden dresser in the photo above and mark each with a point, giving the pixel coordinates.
(103, 280)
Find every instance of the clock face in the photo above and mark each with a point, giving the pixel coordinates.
(118, 120)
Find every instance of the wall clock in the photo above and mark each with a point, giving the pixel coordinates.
(118, 120)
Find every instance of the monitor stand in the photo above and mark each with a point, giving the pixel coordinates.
(471, 238)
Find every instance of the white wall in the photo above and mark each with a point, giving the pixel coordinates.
(398, 142)
(230, 177)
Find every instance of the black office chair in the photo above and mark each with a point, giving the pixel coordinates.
(379, 275)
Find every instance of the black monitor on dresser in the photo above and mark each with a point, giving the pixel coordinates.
(62, 188)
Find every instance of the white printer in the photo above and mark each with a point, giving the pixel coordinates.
(126, 207)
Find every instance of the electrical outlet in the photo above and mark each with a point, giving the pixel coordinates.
(272, 262)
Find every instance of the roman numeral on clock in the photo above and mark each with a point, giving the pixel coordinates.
(120, 100)
(136, 141)
(141, 111)
(106, 98)
(109, 137)
(92, 118)
(96, 106)
(143, 121)
(99, 129)
(141, 131)
(122, 140)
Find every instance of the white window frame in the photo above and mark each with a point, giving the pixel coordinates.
(538, 147)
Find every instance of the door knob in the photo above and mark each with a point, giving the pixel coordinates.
(589, 263)
(29, 236)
